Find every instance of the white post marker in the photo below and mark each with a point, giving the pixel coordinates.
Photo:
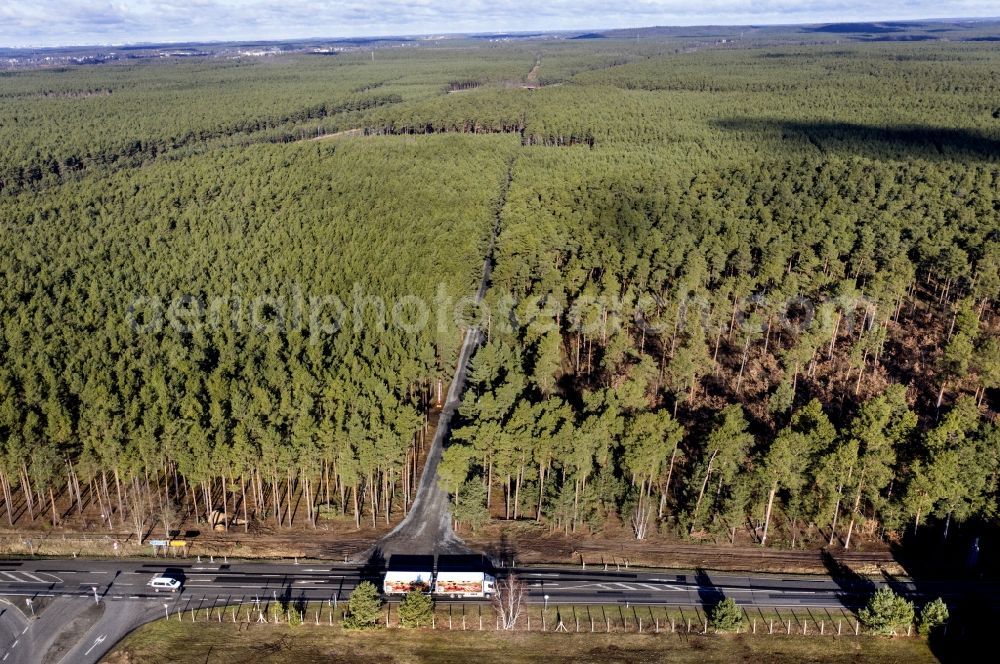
(166, 611)
(546, 602)
(96, 598)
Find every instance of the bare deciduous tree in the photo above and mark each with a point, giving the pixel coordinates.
(640, 521)
(138, 508)
(168, 516)
(508, 600)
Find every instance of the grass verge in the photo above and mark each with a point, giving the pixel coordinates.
(172, 641)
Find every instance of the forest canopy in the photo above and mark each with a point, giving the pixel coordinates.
(735, 293)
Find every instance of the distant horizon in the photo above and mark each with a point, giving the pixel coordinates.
(483, 33)
(40, 24)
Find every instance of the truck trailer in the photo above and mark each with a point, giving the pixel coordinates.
(409, 573)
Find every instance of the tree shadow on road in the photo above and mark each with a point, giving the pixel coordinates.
(373, 567)
(853, 588)
(708, 593)
(973, 611)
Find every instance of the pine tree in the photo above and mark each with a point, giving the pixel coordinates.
(416, 609)
(726, 616)
(932, 616)
(364, 607)
(887, 613)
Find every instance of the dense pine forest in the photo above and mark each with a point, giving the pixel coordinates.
(738, 294)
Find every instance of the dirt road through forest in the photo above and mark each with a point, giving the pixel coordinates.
(427, 527)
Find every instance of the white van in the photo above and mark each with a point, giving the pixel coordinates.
(159, 583)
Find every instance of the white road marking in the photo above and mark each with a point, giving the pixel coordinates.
(191, 585)
(663, 589)
(98, 641)
(33, 578)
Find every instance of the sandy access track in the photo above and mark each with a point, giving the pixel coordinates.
(427, 527)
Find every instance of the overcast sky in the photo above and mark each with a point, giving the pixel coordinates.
(62, 22)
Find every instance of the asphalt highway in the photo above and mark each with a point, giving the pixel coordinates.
(85, 606)
(244, 581)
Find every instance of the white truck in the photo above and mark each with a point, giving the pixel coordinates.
(453, 576)
(464, 576)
